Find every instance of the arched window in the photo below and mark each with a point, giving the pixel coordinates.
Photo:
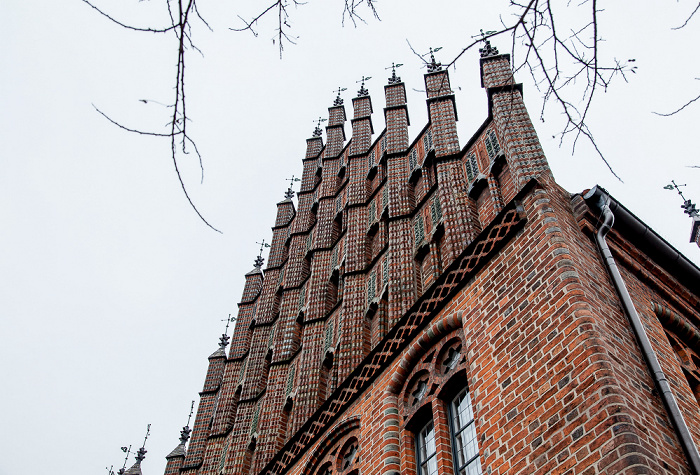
(436, 395)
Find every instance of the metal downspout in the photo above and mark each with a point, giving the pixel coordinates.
(682, 431)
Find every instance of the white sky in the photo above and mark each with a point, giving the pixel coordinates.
(113, 291)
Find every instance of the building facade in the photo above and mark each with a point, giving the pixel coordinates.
(429, 307)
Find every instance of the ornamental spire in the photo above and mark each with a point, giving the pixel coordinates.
(290, 191)
(179, 451)
(688, 206)
(434, 66)
(487, 50)
(317, 131)
(363, 92)
(338, 101)
(259, 261)
(140, 456)
(394, 79)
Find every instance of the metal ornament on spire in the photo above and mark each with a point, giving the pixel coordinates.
(338, 101)
(363, 92)
(259, 261)
(487, 50)
(394, 79)
(290, 191)
(127, 451)
(317, 131)
(688, 206)
(433, 65)
(141, 454)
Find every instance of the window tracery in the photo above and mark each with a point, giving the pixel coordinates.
(436, 395)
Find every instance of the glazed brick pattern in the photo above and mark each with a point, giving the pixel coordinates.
(285, 213)
(442, 117)
(228, 397)
(459, 230)
(396, 118)
(557, 382)
(437, 84)
(313, 147)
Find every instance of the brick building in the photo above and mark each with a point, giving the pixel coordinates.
(429, 308)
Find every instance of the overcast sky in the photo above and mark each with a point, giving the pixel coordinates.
(113, 292)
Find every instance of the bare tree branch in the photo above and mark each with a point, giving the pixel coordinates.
(679, 109)
(697, 7)
(179, 139)
(128, 27)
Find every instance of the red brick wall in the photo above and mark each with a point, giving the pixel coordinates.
(557, 382)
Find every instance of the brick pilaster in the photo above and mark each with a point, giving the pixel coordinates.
(443, 115)
(335, 131)
(362, 129)
(396, 117)
(522, 148)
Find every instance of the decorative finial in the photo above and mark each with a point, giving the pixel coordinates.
(433, 65)
(688, 206)
(109, 470)
(186, 431)
(141, 453)
(185, 434)
(394, 78)
(223, 341)
(259, 260)
(290, 192)
(127, 451)
(487, 50)
(363, 92)
(338, 101)
(317, 131)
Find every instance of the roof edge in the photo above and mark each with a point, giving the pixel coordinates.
(647, 240)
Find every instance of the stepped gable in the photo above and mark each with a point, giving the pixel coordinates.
(451, 299)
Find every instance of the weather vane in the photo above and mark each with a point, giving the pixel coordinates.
(338, 101)
(185, 432)
(223, 341)
(317, 130)
(148, 432)
(394, 78)
(363, 92)
(259, 260)
(191, 411)
(484, 34)
(290, 192)
(228, 320)
(688, 206)
(127, 451)
(433, 65)
(487, 50)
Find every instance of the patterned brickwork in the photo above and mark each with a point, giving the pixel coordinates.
(398, 252)
(521, 145)
(361, 125)
(335, 131)
(437, 84)
(396, 118)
